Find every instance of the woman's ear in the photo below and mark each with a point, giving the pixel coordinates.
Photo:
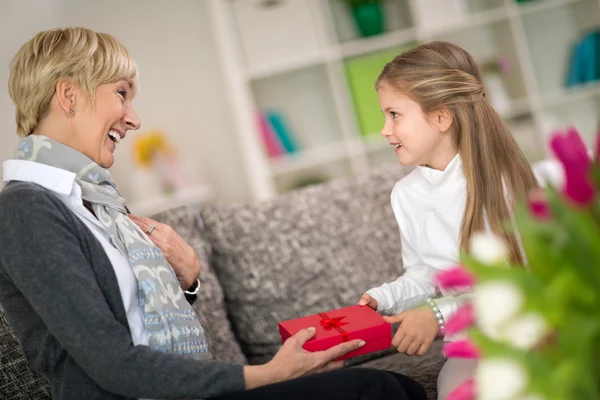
(65, 96)
(443, 119)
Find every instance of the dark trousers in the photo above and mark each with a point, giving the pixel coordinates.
(344, 384)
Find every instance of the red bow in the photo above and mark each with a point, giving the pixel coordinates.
(335, 323)
(329, 323)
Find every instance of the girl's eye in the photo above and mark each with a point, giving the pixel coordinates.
(393, 114)
(123, 93)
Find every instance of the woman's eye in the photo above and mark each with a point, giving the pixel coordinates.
(123, 93)
(393, 114)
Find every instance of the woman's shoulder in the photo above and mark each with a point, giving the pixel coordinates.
(17, 190)
(25, 198)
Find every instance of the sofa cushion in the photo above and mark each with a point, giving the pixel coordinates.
(210, 305)
(304, 252)
(17, 380)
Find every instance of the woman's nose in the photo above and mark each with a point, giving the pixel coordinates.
(131, 120)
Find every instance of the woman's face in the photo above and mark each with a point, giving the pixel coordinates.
(100, 124)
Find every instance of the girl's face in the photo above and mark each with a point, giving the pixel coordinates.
(418, 138)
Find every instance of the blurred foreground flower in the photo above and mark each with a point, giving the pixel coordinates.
(536, 330)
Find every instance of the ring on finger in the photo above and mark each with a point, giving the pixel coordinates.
(150, 229)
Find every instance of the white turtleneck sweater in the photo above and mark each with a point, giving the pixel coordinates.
(429, 206)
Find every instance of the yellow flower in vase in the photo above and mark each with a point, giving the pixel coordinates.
(147, 146)
(151, 151)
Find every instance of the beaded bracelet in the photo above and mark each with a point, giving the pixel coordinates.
(438, 315)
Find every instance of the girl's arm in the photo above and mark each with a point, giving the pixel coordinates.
(448, 305)
(409, 290)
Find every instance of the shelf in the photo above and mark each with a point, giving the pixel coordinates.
(305, 159)
(581, 109)
(313, 174)
(305, 100)
(362, 46)
(476, 6)
(575, 94)
(543, 5)
(551, 34)
(397, 17)
(270, 31)
(377, 43)
(289, 64)
(517, 108)
(323, 79)
(477, 19)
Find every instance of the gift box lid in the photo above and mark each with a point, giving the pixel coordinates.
(354, 322)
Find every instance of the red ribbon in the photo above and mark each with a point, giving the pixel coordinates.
(334, 323)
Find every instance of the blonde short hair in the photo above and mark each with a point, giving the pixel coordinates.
(85, 57)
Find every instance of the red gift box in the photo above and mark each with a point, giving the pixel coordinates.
(342, 325)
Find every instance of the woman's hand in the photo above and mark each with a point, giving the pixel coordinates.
(292, 361)
(418, 329)
(179, 254)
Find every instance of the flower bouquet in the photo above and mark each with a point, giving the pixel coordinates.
(536, 328)
(161, 170)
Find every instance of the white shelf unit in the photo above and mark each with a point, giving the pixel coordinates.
(292, 55)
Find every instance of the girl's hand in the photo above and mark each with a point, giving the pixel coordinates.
(367, 300)
(180, 255)
(418, 329)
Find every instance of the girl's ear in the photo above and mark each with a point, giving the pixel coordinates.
(443, 119)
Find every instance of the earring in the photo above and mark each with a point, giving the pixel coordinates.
(72, 111)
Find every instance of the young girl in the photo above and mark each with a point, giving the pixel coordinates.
(469, 170)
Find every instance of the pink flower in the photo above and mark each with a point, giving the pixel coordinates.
(571, 151)
(461, 320)
(540, 210)
(455, 277)
(504, 65)
(538, 205)
(464, 391)
(461, 349)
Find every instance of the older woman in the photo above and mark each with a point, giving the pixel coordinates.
(98, 298)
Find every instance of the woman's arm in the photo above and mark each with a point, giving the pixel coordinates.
(41, 254)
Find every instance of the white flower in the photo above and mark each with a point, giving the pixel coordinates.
(500, 379)
(496, 302)
(525, 331)
(488, 248)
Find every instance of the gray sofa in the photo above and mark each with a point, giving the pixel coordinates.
(304, 252)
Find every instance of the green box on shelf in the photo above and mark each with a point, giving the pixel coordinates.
(362, 72)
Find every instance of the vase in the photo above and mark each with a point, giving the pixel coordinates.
(496, 93)
(369, 19)
(145, 184)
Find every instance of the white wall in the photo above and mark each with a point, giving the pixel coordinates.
(182, 91)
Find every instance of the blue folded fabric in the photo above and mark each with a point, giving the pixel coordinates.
(585, 66)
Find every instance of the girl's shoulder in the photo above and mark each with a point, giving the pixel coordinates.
(408, 181)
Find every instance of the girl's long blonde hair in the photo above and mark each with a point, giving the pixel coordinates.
(442, 75)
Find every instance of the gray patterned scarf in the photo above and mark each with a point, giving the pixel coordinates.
(172, 324)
